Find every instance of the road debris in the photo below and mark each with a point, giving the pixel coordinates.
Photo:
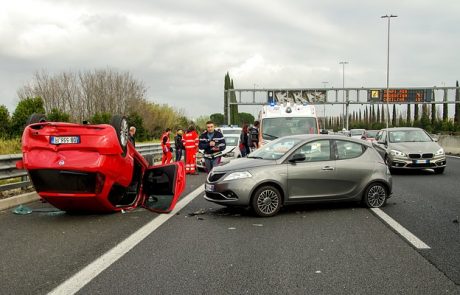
(257, 224)
(199, 212)
(231, 228)
(22, 210)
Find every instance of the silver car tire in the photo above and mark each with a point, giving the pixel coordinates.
(375, 195)
(266, 201)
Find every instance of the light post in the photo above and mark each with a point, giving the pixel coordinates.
(343, 63)
(324, 110)
(388, 65)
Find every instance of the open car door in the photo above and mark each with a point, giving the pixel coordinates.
(162, 186)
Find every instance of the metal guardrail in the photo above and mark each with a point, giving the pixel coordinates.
(8, 166)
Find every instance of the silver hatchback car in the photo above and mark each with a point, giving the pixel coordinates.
(300, 169)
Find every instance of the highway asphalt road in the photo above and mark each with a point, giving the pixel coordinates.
(320, 249)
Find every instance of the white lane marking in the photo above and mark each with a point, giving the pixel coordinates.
(410, 237)
(452, 157)
(87, 274)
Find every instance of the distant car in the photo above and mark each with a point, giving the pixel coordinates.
(83, 167)
(410, 148)
(228, 130)
(369, 135)
(232, 151)
(357, 133)
(301, 169)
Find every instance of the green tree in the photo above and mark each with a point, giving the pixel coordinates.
(24, 109)
(393, 119)
(457, 107)
(101, 118)
(226, 96)
(200, 122)
(4, 122)
(408, 117)
(57, 116)
(425, 122)
(433, 114)
(233, 107)
(217, 118)
(445, 108)
(416, 111)
(245, 118)
(134, 119)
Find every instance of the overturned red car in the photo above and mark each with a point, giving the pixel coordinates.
(84, 167)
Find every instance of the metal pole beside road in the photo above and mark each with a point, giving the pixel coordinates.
(388, 67)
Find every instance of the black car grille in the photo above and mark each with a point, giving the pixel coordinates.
(421, 156)
(215, 176)
(63, 181)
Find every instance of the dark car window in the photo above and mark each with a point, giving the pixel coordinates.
(316, 151)
(382, 137)
(348, 149)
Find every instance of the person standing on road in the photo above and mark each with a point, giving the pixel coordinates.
(178, 144)
(254, 136)
(166, 147)
(190, 141)
(132, 132)
(213, 143)
(244, 141)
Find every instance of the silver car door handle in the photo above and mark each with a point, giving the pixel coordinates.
(328, 168)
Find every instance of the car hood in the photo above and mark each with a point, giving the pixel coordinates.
(243, 164)
(416, 147)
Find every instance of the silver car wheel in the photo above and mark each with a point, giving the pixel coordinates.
(124, 132)
(376, 196)
(268, 201)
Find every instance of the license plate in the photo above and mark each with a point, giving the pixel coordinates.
(64, 139)
(422, 161)
(209, 187)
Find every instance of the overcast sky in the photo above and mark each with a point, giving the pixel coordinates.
(181, 50)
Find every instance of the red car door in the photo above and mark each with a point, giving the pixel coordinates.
(162, 186)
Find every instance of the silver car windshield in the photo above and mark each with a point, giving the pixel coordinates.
(275, 149)
(284, 126)
(409, 136)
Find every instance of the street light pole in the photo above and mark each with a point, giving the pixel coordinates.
(343, 63)
(388, 65)
(324, 110)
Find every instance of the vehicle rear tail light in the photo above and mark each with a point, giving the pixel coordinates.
(100, 179)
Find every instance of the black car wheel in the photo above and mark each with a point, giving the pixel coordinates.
(120, 123)
(266, 201)
(375, 195)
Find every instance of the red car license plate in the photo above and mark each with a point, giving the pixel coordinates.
(65, 139)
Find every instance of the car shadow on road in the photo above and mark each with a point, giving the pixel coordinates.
(429, 172)
(227, 212)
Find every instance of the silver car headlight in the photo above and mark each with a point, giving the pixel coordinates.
(230, 155)
(440, 152)
(397, 153)
(238, 175)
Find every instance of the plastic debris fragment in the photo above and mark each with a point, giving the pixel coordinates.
(22, 210)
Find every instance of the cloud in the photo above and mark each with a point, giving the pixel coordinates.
(181, 50)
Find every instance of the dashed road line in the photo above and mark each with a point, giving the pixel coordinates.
(410, 237)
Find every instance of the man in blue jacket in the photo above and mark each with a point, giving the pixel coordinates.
(213, 143)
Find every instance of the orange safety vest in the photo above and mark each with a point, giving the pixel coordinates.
(190, 140)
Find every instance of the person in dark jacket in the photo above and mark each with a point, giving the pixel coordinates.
(132, 132)
(244, 141)
(178, 144)
(213, 144)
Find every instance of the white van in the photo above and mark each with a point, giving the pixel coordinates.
(286, 119)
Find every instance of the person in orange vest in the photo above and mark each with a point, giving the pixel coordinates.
(166, 147)
(190, 140)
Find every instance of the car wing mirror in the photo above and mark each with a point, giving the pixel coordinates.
(162, 186)
(297, 158)
(324, 131)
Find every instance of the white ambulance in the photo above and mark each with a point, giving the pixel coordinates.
(278, 120)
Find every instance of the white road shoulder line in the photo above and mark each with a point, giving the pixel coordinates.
(410, 237)
(84, 276)
(455, 157)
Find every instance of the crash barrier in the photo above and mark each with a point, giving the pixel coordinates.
(450, 144)
(15, 178)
